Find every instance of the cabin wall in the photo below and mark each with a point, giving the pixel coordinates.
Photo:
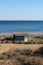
(18, 37)
(25, 39)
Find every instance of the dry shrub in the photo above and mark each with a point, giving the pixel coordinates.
(38, 52)
(26, 52)
(2, 57)
(21, 58)
(35, 61)
(24, 60)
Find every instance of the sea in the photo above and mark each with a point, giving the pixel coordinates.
(21, 26)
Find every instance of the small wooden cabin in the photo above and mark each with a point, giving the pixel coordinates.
(20, 36)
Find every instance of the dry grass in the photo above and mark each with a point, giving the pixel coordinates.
(30, 60)
(23, 60)
(17, 56)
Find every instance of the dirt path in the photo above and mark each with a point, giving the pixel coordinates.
(6, 47)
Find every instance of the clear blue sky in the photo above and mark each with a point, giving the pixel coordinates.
(21, 9)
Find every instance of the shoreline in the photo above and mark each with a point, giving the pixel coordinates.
(21, 32)
(21, 38)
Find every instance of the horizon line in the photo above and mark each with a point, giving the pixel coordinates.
(21, 20)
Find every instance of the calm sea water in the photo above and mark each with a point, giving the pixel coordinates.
(21, 26)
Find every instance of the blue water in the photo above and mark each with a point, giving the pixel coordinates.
(21, 26)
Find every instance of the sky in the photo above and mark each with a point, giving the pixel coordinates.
(21, 9)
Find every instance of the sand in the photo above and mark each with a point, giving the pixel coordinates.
(6, 47)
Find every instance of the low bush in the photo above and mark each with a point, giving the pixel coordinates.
(24, 60)
(38, 52)
(2, 57)
(26, 52)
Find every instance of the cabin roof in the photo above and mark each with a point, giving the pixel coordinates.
(19, 33)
